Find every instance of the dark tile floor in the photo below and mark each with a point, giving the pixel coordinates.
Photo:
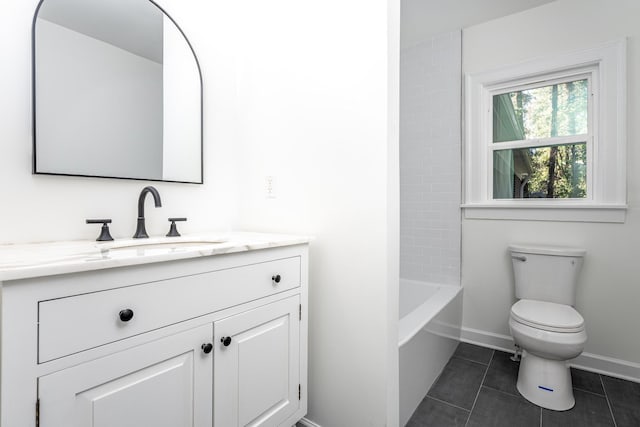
(477, 388)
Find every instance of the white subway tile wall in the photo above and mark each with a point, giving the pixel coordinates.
(430, 159)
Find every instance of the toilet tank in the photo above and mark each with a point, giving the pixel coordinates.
(546, 273)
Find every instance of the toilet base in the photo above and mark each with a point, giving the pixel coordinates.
(545, 382)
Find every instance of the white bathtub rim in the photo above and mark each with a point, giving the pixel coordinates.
(413, 293)
(413, 322)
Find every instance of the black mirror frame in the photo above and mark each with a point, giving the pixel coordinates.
(33, 107)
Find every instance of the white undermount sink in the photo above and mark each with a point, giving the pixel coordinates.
(160, 243)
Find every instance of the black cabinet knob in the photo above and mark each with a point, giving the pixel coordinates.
(276, 278)
(126, 314)
(207, 348)
(225, 341)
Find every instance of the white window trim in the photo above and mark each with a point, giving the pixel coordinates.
(607, 196)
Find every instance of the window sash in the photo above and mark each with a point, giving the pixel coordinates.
(588, 73)
(541, 142)
(542, 81)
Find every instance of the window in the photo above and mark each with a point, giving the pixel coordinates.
(545, 140)
(541, 145)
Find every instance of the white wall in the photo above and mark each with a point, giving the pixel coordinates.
(430, 76)
(314, 96)
(73, 67)
(609, 289)
(422, 19)
(40, 208)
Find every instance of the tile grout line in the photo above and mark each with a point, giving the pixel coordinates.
(480, 388)
(474, 361)
(606, 396)
(589, 392)
(448, 404)
(519, 396)
(502, 391)
(540, 416)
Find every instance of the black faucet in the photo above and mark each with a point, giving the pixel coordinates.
(141, 231)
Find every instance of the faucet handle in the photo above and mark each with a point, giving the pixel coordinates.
(104, 236)
(173, 230)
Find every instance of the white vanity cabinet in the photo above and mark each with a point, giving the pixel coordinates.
(257, 371)
(165, 383)
(216, 340)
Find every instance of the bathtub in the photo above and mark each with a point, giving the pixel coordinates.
(428, 333)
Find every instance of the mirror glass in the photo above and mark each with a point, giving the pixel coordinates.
(117, 92)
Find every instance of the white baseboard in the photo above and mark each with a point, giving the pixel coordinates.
(487, 339)
(307, 423)
(608, 366)
(588, 361)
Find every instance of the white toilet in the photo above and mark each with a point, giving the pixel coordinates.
(544, 323)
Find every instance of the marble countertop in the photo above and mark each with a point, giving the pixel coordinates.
(22, 261)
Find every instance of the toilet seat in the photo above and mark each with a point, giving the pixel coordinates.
(547, 316)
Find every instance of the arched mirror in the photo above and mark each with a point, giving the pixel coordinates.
(117, 92)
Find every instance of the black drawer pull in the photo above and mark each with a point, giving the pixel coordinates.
(126, 314)
(207, 348)
(225, 341)
(276, 278)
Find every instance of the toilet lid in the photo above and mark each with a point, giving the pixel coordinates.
(547, 316)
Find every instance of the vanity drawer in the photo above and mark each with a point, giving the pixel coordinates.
(73, 324)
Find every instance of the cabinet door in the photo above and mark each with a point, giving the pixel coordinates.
(164, 383)
(256, 376)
